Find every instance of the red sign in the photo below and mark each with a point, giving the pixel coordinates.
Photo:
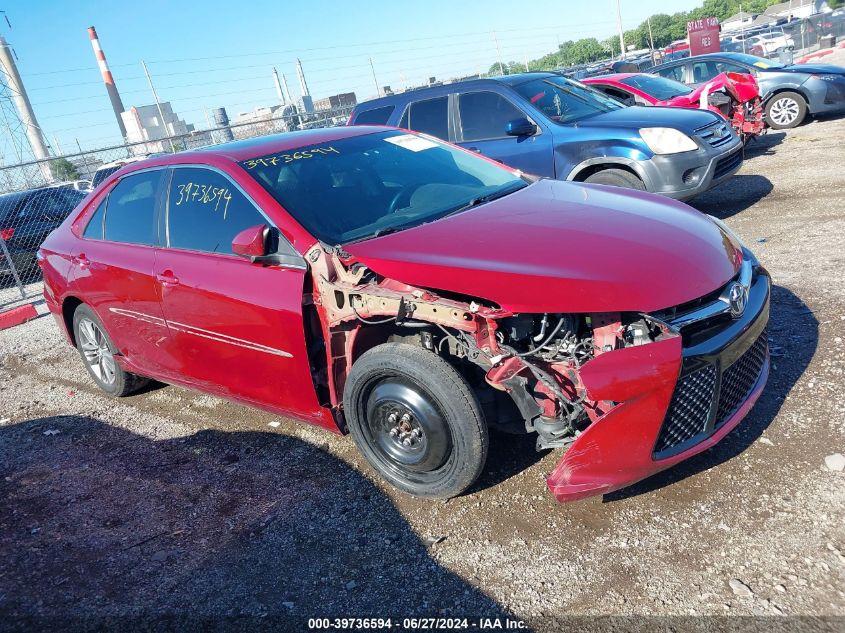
(703, 36)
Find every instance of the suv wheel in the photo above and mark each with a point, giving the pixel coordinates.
(415, 420)
(98, 352)
(616, 178)
(785, 110)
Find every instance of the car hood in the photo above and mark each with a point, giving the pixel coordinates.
(637, 117)
(813, 69)
(563, 247)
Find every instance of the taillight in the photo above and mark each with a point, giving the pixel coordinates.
(7, 234)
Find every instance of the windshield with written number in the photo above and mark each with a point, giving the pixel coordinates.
(361, 187)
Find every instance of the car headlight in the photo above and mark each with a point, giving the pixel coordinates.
(667, 140)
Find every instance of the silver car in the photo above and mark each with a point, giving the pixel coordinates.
(789, 92)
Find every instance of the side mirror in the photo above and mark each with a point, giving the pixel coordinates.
(251, 242)
(520, 127)
(261, 244)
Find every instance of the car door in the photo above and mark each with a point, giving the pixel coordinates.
(113, 270)
(429, 116)
(482, 118)
(237, 326)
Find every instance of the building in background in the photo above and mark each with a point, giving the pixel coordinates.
(336, 102)
(144, 124)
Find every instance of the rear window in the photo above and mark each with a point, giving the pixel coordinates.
(130, 215)
(430, 117)
(376, 116)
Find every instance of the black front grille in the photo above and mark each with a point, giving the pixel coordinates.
(728, 164)
(689, 410)
(739, 379)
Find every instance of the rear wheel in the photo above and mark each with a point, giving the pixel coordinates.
(98, 352)
(416, 420)
(616, 178)
(785, 110)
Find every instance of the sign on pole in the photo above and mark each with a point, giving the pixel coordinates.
(703, 36)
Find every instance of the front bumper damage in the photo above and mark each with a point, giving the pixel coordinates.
(674, 399)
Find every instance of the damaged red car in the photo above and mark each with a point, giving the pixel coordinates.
(416, 295)
(734, 96)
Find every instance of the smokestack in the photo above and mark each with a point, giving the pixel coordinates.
(302, 85)
(278, 86)
(114, 96)
(221, 120)
(287, 92)
(19, 96)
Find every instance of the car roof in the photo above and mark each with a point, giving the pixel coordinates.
(401, 97)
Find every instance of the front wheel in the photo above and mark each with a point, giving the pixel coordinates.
(616, 178)
(785, 110)
(415, 420)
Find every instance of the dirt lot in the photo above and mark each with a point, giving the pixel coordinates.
(172, 502)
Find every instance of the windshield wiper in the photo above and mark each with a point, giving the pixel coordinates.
(488, 197)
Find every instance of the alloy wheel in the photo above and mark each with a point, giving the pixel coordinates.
(95, 348)
(784, 111)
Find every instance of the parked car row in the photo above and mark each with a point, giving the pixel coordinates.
(422, 276)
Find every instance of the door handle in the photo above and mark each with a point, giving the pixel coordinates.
(474, 149)
(81, 261)
(167, 278)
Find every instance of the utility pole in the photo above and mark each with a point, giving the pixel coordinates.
(651, 40)
(158, 106)
(375, 81)
(742, 26)
(525, 59)
(498, 54)
(619, 26)
(26, 114)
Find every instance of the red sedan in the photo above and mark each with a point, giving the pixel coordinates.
(416, 295)
(734, 96)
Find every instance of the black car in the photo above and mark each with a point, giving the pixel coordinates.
(789, 91)
(26, 218)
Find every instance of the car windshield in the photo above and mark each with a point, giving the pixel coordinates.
(365, 186)
(753, 60)
(658, 87)
(565, 101)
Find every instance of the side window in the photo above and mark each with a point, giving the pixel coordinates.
(703, 71)
(616, 93)
(94, 228)
(675, 72)
(205, 211)
(376, 116)
(725, 67)
(130, 216)
(485, 115)
(430, 117)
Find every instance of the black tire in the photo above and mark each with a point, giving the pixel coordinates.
(116, 382)
(449, 452)
(785, 110)
(616, 178)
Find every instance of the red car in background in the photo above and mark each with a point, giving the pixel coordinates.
(734, 96)
(414, 294)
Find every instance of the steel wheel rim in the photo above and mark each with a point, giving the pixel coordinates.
(406, 428)
(96, 351)
(784, 111)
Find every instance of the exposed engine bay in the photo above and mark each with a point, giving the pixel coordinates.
(524, 368)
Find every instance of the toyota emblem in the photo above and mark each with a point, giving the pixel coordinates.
(737, 299)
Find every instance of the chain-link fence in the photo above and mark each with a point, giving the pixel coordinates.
(782, 42)
(36, 197)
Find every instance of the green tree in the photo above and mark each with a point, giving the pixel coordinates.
(63, 169)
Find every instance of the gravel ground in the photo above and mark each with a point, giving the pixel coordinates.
(173, 502)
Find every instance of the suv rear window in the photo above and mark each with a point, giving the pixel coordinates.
(376, 116)
(429, 117)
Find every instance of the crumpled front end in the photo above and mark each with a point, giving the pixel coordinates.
(673, 398)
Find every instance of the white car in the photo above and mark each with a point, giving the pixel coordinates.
(771, 42)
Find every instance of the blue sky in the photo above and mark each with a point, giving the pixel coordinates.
(214, 53)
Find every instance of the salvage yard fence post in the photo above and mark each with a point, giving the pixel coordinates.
(36, 196)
